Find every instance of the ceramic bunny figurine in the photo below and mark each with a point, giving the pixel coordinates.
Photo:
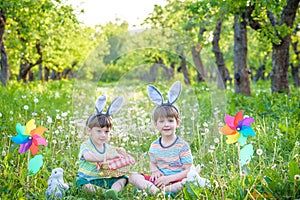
(56, 186)
(194, 177)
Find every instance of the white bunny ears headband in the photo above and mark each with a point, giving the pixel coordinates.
(114, 107)
(173, 95)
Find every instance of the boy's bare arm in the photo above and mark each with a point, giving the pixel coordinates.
(155, 172)
(93, 157)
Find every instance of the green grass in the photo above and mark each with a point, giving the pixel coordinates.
(62, 110)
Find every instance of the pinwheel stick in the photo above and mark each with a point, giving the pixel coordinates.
(239, 162)
(28, 159)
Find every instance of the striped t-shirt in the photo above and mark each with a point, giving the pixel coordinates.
(87, 169)
(171, 159)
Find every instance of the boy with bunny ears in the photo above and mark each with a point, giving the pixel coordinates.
(96, 148)
(170, 156)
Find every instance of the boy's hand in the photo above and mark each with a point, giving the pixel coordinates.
(162, 181)
(121, 151)
(113, 156)
(155, 175)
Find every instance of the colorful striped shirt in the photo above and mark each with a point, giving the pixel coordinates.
(171, 159)
(87, 169)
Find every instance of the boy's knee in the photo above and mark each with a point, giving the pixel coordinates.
(133, 177)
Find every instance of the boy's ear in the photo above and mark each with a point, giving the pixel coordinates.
(178, 122)
(88, 130)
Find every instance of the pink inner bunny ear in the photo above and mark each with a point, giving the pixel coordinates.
(229, 120)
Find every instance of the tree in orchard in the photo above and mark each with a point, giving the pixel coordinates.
(275, 22)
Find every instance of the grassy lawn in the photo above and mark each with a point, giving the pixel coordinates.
(62, 107)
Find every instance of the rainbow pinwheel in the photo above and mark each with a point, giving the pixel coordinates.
(29, 137)
(237, 128)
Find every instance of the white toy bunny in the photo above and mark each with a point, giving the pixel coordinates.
(56, 184)
(194, 177)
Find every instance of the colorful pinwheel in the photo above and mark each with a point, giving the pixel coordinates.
(29, 137)
(237, 128)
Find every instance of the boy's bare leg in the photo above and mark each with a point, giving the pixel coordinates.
(175, 187)
(139, 181)
(119, 185)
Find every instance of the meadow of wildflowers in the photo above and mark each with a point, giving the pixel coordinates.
(272, 173)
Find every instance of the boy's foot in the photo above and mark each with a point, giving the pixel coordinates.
(111, 194)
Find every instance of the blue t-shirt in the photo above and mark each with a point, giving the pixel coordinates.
(171, 159)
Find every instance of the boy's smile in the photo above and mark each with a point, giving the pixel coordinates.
(167, 125)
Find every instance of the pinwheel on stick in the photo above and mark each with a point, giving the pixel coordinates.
(237, 129)
(29, 137)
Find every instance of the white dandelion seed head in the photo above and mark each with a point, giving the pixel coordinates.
(3, 153)
(297, 143)
(26, 107)
(259, 152)
(35, 100)
(217, 140)
(49, 119)
(0, 114)
(11, 112)
(297, 177)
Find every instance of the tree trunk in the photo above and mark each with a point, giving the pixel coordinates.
(295, 69)
(260, 73)
(4, 72)
(46, 74)
(241, 73)
(172, 69)
(40, 52)
(30, 75)
(23, 73)
(198, 63)
(153, 72)
(281, 53)
(280, 63)
(166, 72)
(219, 55)
(184, 69)
(295, 74)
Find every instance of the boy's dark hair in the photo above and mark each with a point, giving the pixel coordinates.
(101, 121)
(164, 111)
